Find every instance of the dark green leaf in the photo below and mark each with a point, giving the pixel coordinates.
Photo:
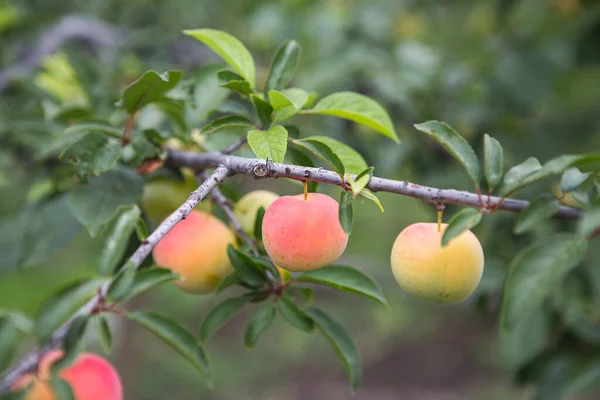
(260, 322)
(220, 315)
(298, 156)
(247, 270)
(148, 88)
(467, 218)
(345, 278)
(358, 108)
(62, 389)
(283, 66)
(233, 81)
(456, 145)
(267, 264)
(324, 152)
(346, 214)
(227, 281)
(104, 333)
(115, 237)
(94, 153)
(75, 333)
(95, 204)
(271, 144)
(589, 222)
(57, 308)
(229, 49)
(293, 131)
(353, 162)
(493, 161)
(264, 111)
(540, 209)
(177, 337)
(572, 178)
(231, 121)
(260, 214)
(526, 339)
(518, 173)
(342, 342)
(141, 229)
(123, 282)
(8, 341)
(535, 272)
(293, 315)
(147, 279)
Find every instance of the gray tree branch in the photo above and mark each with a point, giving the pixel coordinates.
(29, 362)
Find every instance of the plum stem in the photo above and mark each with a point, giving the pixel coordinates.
(305, 184)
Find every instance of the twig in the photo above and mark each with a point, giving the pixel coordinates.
(234, 146)
(258, 168)
(30, 361)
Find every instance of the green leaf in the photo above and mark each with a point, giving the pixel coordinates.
(589, 222)
(517, 174)
(353, 162)
(323, 152)
(148, 278)
(207, 95)
(122, 283)
(52, 216)
(233, 81)
(174, 335)
(467, 218)
(572, 178)
(8, 341)
(62, 389)
(229, 49)
(345, 278)
(55, 310)
(220, 315)
(95, 203)
(271, 144)
(535, 272)
(293, 315)
(357, 108)
(493, 161)
(298, 156)
(94, 153)
(260, 214)
(141, 229)
(227, 281)
(264, 111)
(287, 103)
(584, 379)
(260, 322)
(524, 341)
(20, 320)
(342, 342)
(346, 214)
(540, 209)
(362, 180)
(148, 88)
(367, 194)
(455, 144)
(75, 333)
(246, 269)
(229, 122)
(283, 67)
(104, 333)
(115, 237)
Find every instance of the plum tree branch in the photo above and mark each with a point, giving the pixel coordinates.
(30, 361)
(258, 168)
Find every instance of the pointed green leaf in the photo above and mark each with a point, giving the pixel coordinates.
(271, 144)
(141, 229)
(176, 336)
(260, 214)
(467, 218)
(228, 122)
(540, 209)
(220, 315)
(94, 153)
(75, 333)
(148, 88)
(260, 322)
(115, 237)
(246, 269)
(8, 341)
(361, 181)
(283, 66)
(293, 97)
(455, 144)
(535, 273)
(572, 178)
(264, 111)
(229, 49)
(233, 81)
(353, 162)
(345, 278)
(358, 108)
(324, 152)
(62, 389)
(589, 222)
(120, 287)
(493, 161)
(367, 194)
(207, 95)
(517, 174)
(146, 279)
(346, 214)
(341, 341)
(57, 308)
(227, 281)
(293, 315)
(104, 333)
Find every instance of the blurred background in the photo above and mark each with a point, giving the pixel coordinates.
(524, 71)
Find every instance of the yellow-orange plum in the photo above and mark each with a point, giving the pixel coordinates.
(247, 207)
(91, 378)
(426, 270)
(302, 235)
(196, 249)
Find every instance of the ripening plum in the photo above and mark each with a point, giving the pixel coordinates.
(196, 249)
(247, 207)
(426, 270)
(302, 235)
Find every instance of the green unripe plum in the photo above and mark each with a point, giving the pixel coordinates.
(247, 207)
